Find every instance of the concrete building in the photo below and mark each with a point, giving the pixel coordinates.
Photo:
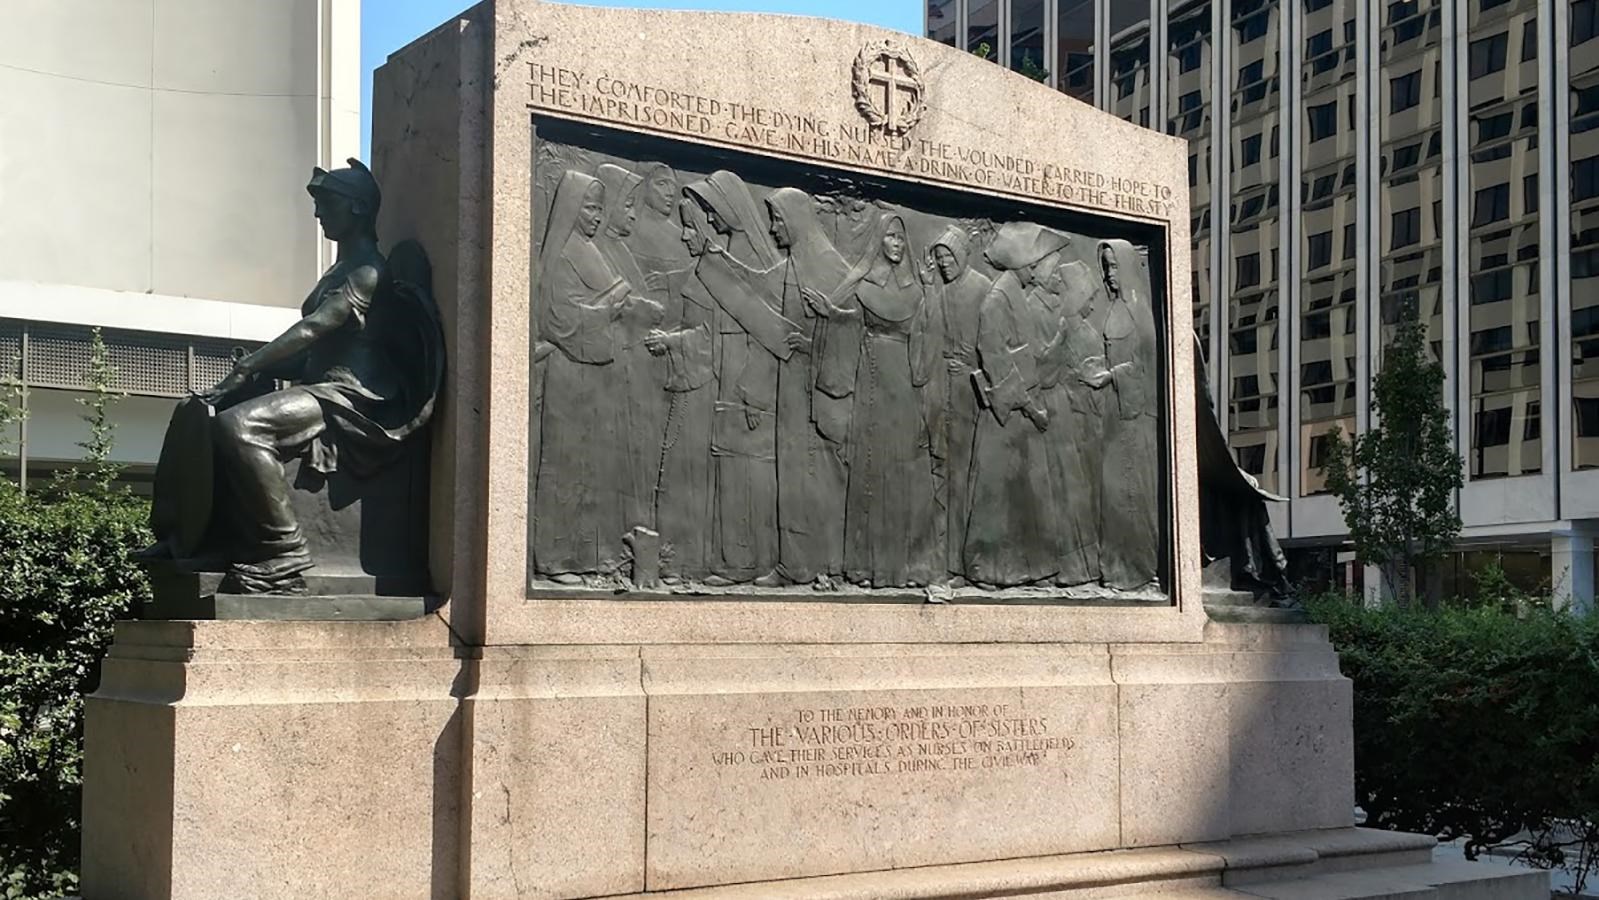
(151, 176)
(1350, 160)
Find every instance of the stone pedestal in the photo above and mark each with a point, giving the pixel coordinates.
(276, 759)
(284, 759)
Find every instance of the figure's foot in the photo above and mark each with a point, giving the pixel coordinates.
(717, 581)
(156, 551)
(773, 579)
(568, 579)
(277, 575)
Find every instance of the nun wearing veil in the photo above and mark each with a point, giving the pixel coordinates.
(644, 398)
(582, 499)
(811, 425)
(1130, 546)
(686, 490)
(892, 521)
(964, 290)
(1013, 529)
(1074, 375)
(750, 336)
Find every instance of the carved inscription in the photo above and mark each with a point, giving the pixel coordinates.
(601, 96)
(879, 741)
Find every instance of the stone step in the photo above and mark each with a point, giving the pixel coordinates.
(1170, 873)
(1437, 880)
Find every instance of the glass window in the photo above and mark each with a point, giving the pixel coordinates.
(1488, 55)
(943, 23)
(1404, 92)
(1129, 60)
(982, 28)
(1188, 88)
(1327, 283)
(1323, 121)
(1411, 189)
(1583, 267)
(1256, 86)
(1074, 53)
(1027, 39)
(1505, 304)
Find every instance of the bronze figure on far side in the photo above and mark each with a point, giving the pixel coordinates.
(342, 391)
(756, 388)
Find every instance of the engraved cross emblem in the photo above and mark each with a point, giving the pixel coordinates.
(887, 83)
(892, 78)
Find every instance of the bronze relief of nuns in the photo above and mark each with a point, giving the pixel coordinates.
(963, 293)
(750, 337)
(685, 493)
(581, 501)
(891, 521)
(644, 400)
(811, 425)
(1013, 528)
(1130, 543)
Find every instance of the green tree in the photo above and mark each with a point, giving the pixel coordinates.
(1396, 483)
(99, 470)
(13, 405)
(1027, 65)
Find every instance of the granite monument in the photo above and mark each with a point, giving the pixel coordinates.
(815, 495)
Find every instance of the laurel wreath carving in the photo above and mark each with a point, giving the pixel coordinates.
(860, 85)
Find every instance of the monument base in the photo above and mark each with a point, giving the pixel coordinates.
(180, 591)
(348, 759)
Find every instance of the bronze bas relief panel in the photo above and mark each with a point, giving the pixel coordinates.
(753, 377)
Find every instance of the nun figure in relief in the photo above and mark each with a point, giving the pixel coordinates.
(686, 491)
(964, 290)
(645, 398)
(750, 336)
(1074, 369)
(1130, 543)
(1013, 528)
(811, 425)
(582, 499)
(892, 524)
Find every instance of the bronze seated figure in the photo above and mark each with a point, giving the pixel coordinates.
(341, 394)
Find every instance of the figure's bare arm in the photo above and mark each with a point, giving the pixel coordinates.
(299, 337)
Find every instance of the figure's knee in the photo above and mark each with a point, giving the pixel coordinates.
(236, 430)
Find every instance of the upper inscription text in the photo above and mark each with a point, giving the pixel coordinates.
(605, 97)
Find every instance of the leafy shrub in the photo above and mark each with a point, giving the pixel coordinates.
(1477, 723)
(65, 579)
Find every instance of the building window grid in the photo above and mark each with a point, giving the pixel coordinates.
(1504, 379)
(1255, 31)
(1401, 24)
(1582, 265)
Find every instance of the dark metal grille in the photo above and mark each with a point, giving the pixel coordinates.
(213, 359)
(146, 363)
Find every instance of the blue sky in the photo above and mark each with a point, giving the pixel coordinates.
(388, 25)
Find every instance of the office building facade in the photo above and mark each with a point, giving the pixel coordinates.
(1351, 161)
(151, 186)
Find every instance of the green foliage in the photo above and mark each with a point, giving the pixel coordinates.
(1493, 588)
(13, 405)
(1480, 724)
(65, 579)
(1028, 66)
(1396, 482)
(1032, 68)
(101, 377)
